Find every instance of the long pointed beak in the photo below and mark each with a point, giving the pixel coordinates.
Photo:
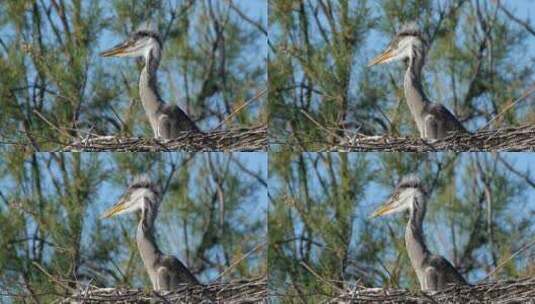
(381, 210)
(120, 206)
(381, 58)
(118, 50)
(387, 206)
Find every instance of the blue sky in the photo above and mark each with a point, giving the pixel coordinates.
(109, 193)
(171, 238)
(523, 9)
(254, 8)
(172, 81)
(438, 238)
(257, 161)
(437, 83)
(253, 208)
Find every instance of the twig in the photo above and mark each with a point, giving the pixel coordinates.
(242, 291)
(320, 126)
(52, 277)
(505, 139)
(258, 95)
(318, 276)
(525, 24)
(526, 94)
(509, 259)
(258, 247)
(246, 18)
(51, 124)
(505, 291)
(252, 139)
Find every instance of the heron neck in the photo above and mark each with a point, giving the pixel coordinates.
(148, 88)
(414, 236)
(414, 93)
(146, 244)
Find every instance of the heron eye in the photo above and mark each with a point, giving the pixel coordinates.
(394, 44)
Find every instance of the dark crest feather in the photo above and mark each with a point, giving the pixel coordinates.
(410, 181)
(145, 33)
(410, 29)
(143, 181)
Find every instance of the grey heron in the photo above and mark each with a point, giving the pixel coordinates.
(433, 120)
(167, 121)
(434, 272)
(165, 271)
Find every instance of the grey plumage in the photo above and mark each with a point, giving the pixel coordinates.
(434, 272)
(165, 271)
(410, 181)
(433, 120)
(167, 121)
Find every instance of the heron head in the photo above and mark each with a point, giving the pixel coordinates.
(402, 198)
(402, 45)
(140, 193)
(140, 44)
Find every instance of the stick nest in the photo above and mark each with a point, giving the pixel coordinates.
(250, 291)
(506, 139)
(253, 139)
(507, 291)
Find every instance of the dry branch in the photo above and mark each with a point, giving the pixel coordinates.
(250, 291)
(253, 139)
(506, 139)
(507, 291)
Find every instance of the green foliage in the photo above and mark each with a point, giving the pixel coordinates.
(55, 88)
(212, 218)
(322, 239)
(321, 86)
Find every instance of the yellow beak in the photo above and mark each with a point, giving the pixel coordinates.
(117, 50)
(382, 58)
(383, 209)
(120, 206)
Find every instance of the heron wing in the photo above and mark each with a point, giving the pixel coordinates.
(164, 127)
(447, 270)
(443, 114)
(431, 279)
(179, 119)
(164, 280)
(431, 127)
(177, 272)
